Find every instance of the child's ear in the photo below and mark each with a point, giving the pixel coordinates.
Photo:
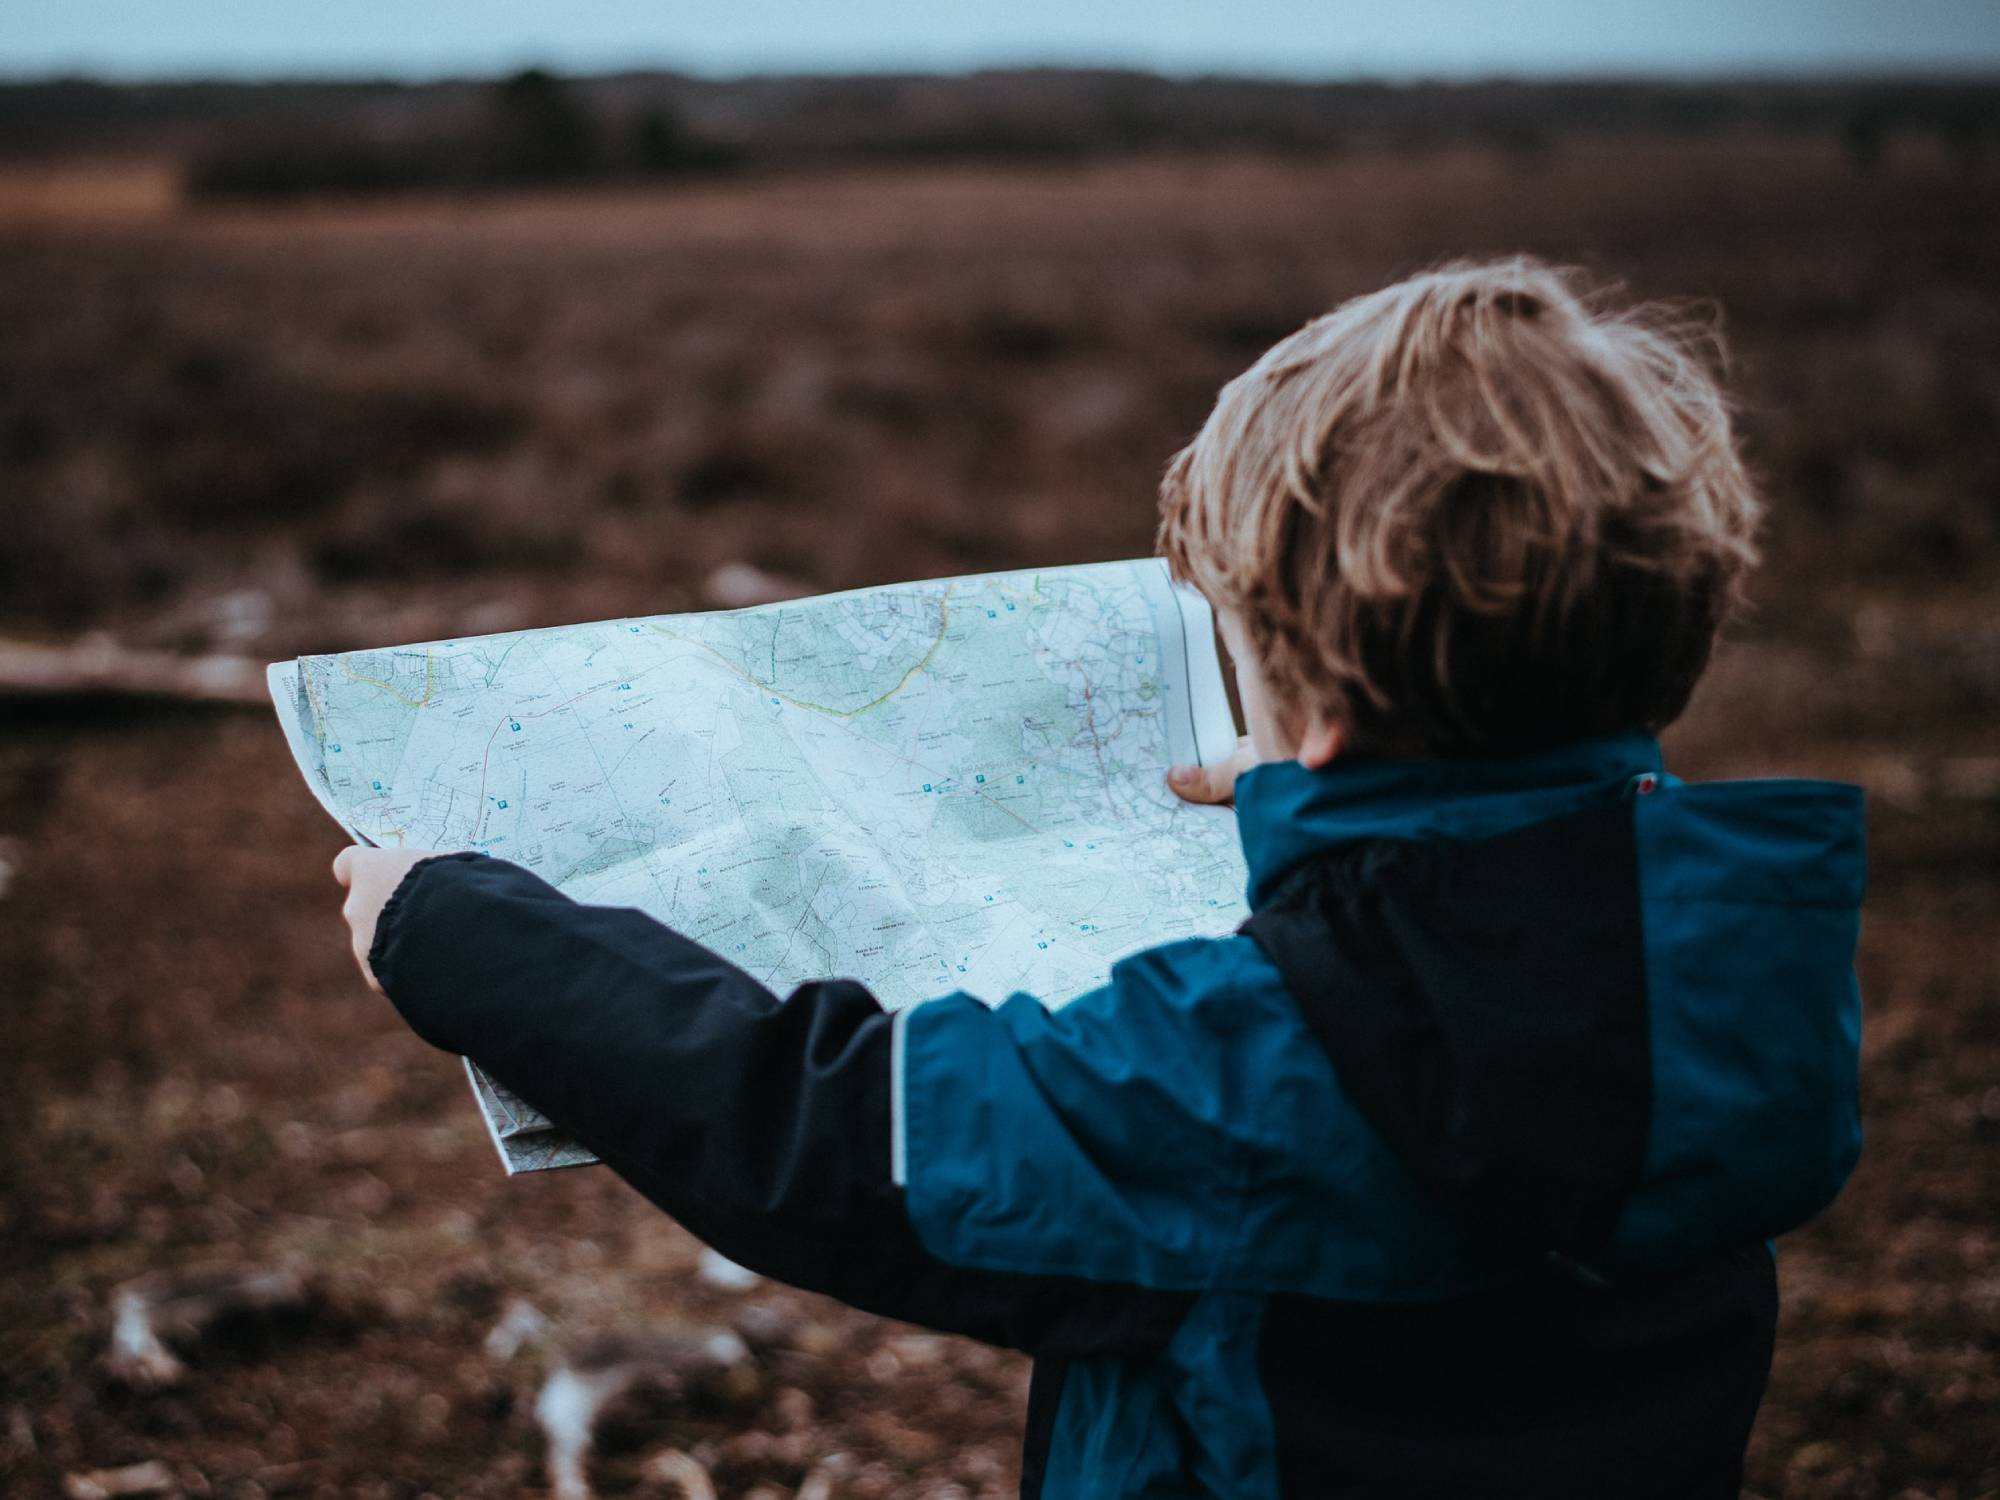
(1322, 743)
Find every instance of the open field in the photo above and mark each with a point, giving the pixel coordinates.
(267, 430)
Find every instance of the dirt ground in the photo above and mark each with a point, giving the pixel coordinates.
(265, 431)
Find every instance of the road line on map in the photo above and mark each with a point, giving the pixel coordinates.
(944, 624)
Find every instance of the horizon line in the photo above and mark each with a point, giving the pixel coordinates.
(1937, 70)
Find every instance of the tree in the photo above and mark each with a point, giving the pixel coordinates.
(540, 131)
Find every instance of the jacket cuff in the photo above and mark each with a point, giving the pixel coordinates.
(383, 951)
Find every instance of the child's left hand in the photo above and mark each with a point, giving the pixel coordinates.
(371, 877)
(1216, 783)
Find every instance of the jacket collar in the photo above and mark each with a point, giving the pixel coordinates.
(1285, 812)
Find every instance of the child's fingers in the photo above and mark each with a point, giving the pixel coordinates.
(1215, 783)
(363, 942)
(1204, 783)
(362, 906)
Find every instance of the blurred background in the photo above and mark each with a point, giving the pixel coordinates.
(367, 326)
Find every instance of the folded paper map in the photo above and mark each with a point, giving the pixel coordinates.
(929, 787)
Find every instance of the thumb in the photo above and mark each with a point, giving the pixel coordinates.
(1215, 783)
(343, 866)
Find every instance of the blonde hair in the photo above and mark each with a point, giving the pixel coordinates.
(1475, 511)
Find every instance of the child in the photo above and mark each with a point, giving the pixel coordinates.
(1452, 1173)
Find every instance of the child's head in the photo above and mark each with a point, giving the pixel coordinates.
(1471, 513)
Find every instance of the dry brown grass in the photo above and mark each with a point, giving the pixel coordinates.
(90, 193)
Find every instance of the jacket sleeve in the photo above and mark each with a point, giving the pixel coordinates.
(764, 1126)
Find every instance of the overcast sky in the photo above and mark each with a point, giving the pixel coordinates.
(1330, 38)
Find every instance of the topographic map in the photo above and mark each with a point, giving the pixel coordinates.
(929, 787)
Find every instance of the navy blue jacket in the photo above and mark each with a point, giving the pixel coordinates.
(1452, 1173)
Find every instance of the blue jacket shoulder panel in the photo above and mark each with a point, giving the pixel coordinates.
(1109, 1138)
(1750, 898)
(1177, 1128)
(1779, 842)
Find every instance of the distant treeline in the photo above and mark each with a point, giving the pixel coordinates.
(527, 129)
(286, 138)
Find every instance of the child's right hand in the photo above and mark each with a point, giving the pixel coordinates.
(1216, 783)
(370, 877)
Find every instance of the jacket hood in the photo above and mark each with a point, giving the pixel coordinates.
(1615, 1011)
